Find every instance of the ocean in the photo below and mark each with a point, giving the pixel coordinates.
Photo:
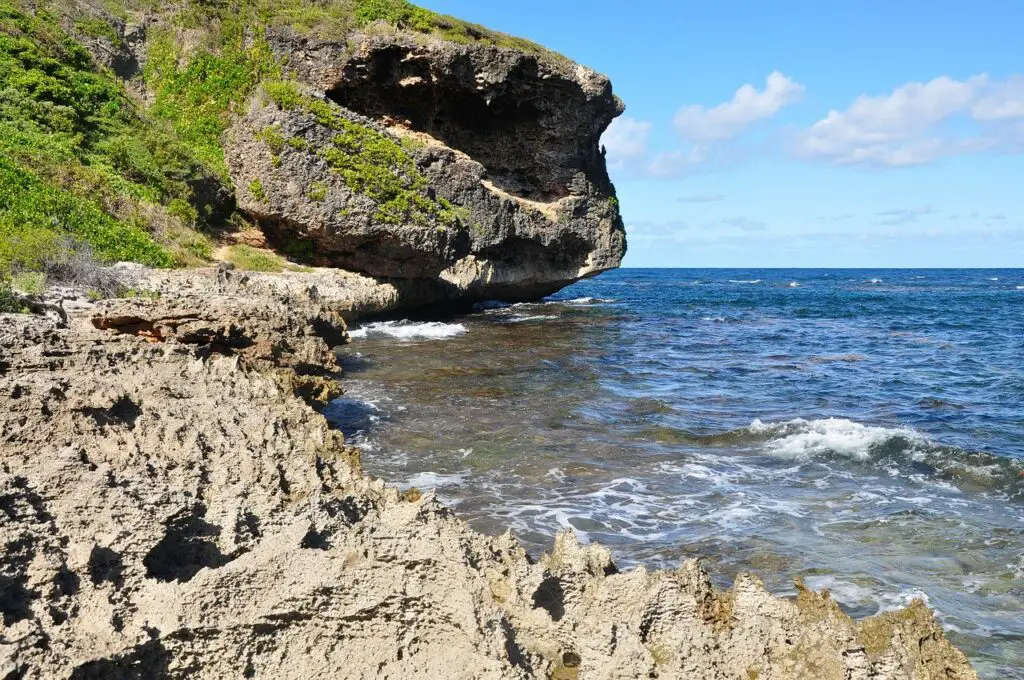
(860, 430)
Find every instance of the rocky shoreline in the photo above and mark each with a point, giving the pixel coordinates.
(174, 505)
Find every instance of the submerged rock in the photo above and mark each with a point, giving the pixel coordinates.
(172, 505)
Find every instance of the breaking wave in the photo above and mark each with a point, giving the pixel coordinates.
(410, 330)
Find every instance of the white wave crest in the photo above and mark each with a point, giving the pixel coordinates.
(752, 282)
(410, 330)
(802, 439)
(533, 317)
(436, 480)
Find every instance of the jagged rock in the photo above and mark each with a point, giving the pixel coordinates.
(505, 142)
(172, 505)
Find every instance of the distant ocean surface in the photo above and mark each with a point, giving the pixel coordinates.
(861, 430)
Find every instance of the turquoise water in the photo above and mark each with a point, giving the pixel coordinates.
(861, 430)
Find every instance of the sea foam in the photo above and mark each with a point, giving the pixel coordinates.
(804, 439)
(410, 330)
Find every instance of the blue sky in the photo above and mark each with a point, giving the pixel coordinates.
(803, 133)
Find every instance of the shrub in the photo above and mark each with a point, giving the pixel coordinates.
(31, 283)
(257, 191)
(34, 215)
(75, 264)
(9, 304)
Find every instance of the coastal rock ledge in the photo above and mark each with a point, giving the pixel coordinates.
(173, 505)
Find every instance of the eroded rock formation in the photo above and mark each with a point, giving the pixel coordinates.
(502, 145)
(172, 505)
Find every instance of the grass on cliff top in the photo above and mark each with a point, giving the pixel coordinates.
(78, 159)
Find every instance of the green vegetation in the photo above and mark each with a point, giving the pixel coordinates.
(31, 283)
(403, 14)
(252, 259)
(8, 303)
(34, 215)
(256, 189)
(197, 98)
(86, 169)
(97, 28)
(317, 192)
(79, 162)
(371, 163)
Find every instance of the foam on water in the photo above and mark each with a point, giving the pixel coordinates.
(804, 439)
(582, 301)
(887, 459)
(410, 330)
(752, 282)
(532, 317)
(429, 481)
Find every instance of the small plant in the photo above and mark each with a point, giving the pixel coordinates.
(184, 211)
(412, 144)
(9, 303)
(30, 283)
(317, 192)
(256, 189)
(140, 294)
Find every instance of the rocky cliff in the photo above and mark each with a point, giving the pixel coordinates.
(172, 505)
(365, 135)
(475, 167)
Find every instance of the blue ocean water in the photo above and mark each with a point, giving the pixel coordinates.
(860, 430)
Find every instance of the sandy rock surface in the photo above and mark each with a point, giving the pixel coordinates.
(172, 505)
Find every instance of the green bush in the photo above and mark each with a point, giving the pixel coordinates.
(77, 156)
(9, 304)
(34, 215)
(197, 98)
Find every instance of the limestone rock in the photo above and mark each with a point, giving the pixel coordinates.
(502, 145)
(172, 505)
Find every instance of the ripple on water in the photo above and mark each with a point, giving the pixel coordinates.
(864, 437)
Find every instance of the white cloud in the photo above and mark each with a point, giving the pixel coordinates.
(906, 127)
(669, 164)
(748, 106)
(1004, 102)
(626, 139)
